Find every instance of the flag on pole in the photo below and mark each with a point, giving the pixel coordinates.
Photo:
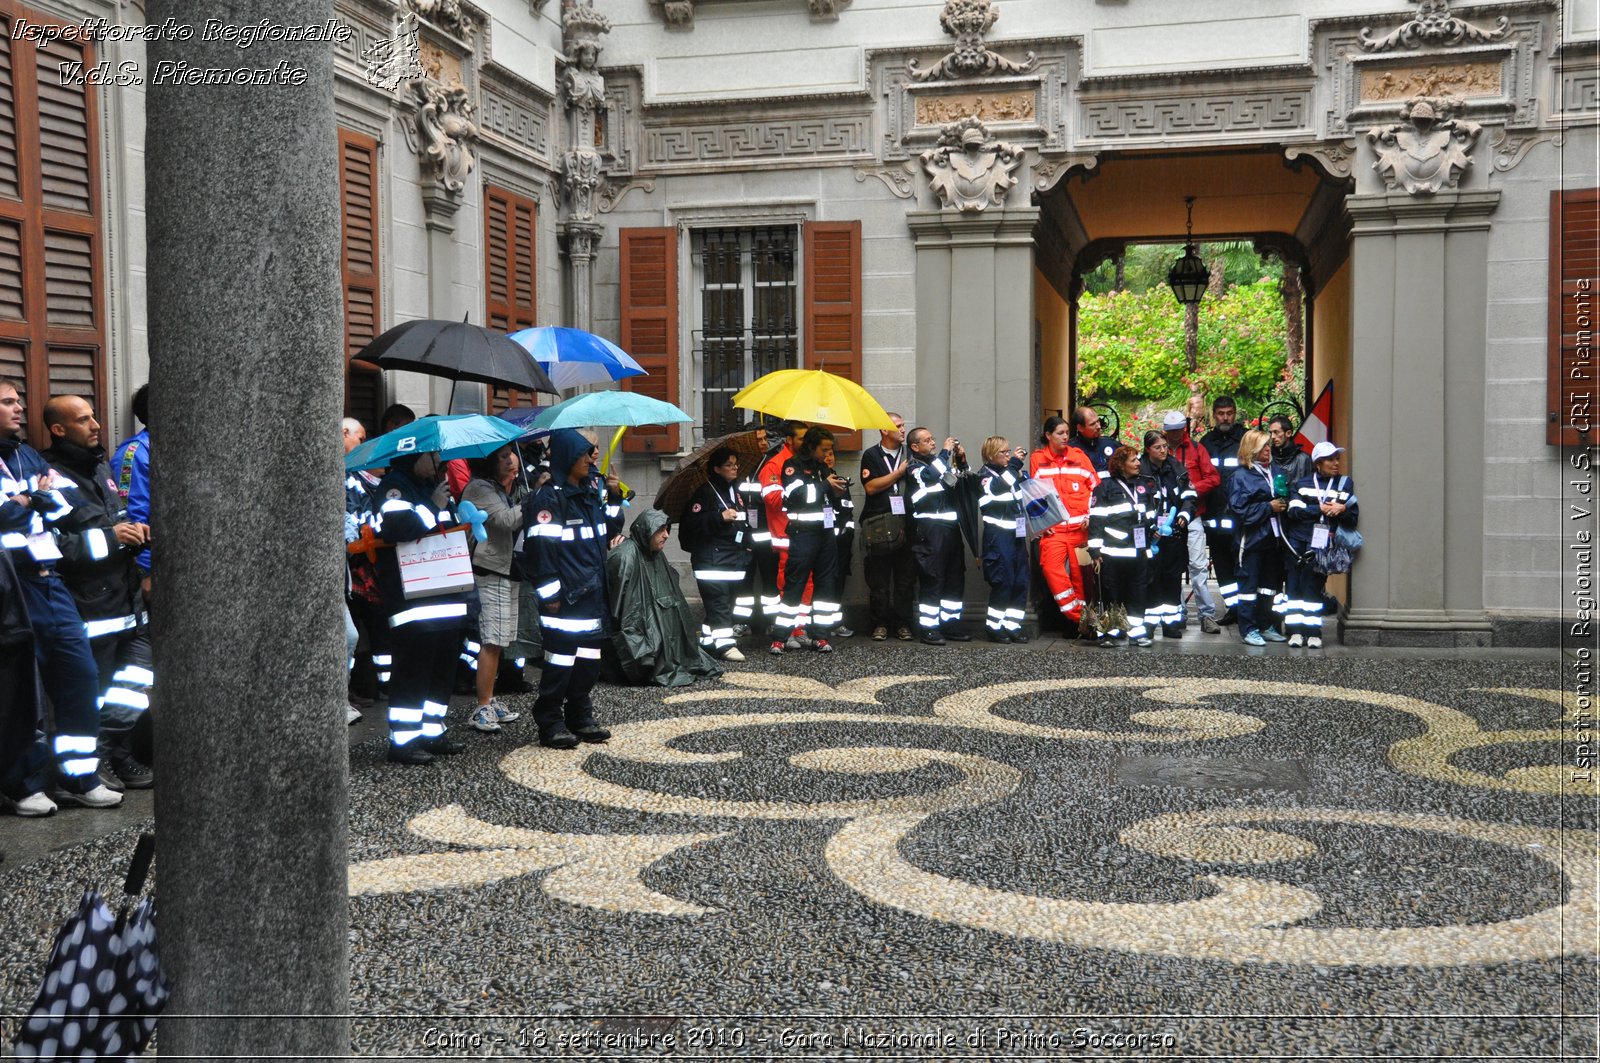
(1319, 421)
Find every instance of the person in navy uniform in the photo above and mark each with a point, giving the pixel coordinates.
(941, 574)
(33, 499)
(1122, 531)
(571, 522)
(810, 494)
(1222, 443)
(1173, 500)
(1322, 500)
(1258, 510)
(424, 633)
(716, 532)
(1086, 437)
(1005, 538)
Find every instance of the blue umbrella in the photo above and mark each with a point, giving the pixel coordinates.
(462, 435)
(608, 408)
(575, 358)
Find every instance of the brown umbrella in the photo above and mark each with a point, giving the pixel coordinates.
(690, 475)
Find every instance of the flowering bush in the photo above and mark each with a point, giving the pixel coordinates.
(1130, 346)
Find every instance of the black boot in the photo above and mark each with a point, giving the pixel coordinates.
(510, 680)
(583, 726)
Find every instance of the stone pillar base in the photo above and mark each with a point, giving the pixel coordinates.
(1417, 627)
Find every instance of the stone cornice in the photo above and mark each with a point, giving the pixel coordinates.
(1386, 213)
(1008, 226)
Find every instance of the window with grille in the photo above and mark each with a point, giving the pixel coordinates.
(747, 323)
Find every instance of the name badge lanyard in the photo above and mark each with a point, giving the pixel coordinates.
(1138, 526)
(897, 498)
(1277, 530)
(1322, 532)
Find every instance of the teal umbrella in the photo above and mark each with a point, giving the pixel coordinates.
(622, 408)
(461, 435)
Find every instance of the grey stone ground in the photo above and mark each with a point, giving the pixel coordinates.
(806, 927)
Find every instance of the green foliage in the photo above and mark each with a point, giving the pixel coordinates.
(1130, 345)
(1145, 266)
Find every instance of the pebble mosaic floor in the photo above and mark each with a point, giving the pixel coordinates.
(902, 854)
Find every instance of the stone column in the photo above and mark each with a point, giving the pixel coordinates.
(582, 239)
(1420, 283)
(245, 342)
(975, 323)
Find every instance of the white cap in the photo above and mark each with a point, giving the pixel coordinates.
(1324, 450)
(1173, 421)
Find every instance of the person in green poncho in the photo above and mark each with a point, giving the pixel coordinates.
(656, 640)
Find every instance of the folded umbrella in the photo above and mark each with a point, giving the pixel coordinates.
(461, 435)
(815, 396)
(690, 475)
(457, 350)
(103, 987)
(574, 358)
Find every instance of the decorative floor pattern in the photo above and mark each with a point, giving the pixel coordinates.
(918, 865)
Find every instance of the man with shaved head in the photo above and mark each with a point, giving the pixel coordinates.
(99, 545)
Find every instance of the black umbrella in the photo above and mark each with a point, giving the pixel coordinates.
(103, 987)
(458, 351)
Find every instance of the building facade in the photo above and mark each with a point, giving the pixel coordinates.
(908, 192)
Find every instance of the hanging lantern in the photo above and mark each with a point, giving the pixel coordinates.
(1189, 276)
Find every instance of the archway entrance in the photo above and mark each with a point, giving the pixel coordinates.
(1254, 195)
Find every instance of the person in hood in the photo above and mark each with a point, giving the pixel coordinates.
(570, 521)
(425, 633)
(655, 639)
(34, 503)
(98, 547)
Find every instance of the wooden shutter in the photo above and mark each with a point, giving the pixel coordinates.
(52, 286)
(511, 288)
(1574, 316)
(650, 327)
(363, 311)
(833, 304)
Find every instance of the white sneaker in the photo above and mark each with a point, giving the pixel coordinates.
(100, 797)
(732, 654)
(501, 713)
(1314, 642)
(484, 719)
(32, 805)
(1297, 639)
(351, 714)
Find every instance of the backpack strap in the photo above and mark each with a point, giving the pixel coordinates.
(125, 478)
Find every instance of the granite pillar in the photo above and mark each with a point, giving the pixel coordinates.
(246, 336)
(1420, 285)
(975, 332)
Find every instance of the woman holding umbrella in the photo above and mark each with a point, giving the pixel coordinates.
(716, 532)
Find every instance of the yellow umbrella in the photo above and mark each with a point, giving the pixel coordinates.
(816, 397)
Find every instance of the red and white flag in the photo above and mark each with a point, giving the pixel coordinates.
(1319, 421)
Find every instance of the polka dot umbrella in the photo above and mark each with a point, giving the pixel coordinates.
(103, 985)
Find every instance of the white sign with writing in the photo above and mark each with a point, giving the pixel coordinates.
(435, 564)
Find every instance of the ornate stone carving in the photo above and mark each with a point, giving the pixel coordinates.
(1048, 173)
(439, 64)
(614, 192)
(897, 179)
(967, 170)
(1337, 157)
(582, 84)
(967, 21)
(984, 106)
(446, 132)
(514, 115)
(826, 10)
(1436, 27)
(580, 177)
(1166, 115)
(1427, 152)
(677, 14)
(692, 143)
(1510, 150)
(1435, 79)
(446, 14)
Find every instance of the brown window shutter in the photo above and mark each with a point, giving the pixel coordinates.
(650, 328)
(359, 259)
(52, 287)
(510, 224)
(1574, 314)
(833, 304)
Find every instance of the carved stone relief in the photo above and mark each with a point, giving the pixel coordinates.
(514, 115)
(1510, 150)
(687, 143)
(439, 64)
(897, 179)
(1337, 157)
(1165, 115)
(1580, 91)
(1434, 26)
(968, 170)
(445, 14)
(1049, 172)
(985, 106)
(679, 14)
(1433, 79)
(1425, 153)
(967, 21)
(445, 132)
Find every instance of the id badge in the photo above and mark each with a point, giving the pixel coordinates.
(1022, 527)
(1319, 536)
(42, 547)
(1138, 538)
(827, 517)
(897, 505)
(738, 537)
